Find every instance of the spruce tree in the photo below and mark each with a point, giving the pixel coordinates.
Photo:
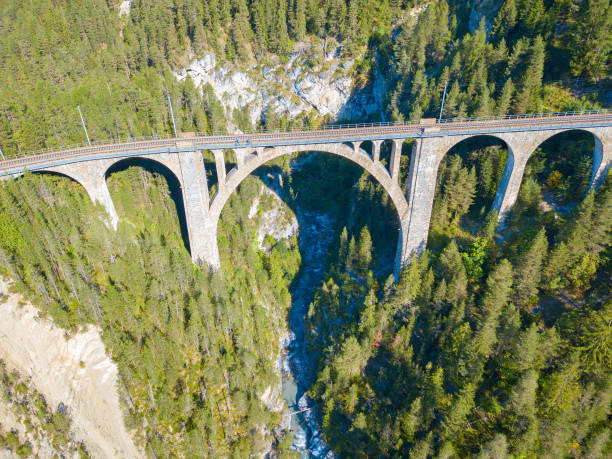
(590, 40)
(364, 251)
(527, 271)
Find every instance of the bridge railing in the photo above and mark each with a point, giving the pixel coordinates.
(94, 143)
(329, 127)
(526, 116)
(326, 127)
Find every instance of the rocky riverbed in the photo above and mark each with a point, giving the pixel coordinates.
(316, 233)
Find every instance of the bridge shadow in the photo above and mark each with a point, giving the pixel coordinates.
(174, 187)
(326, 193)
(325, 187)
(275, 180)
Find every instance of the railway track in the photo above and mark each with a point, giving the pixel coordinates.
(330, 134)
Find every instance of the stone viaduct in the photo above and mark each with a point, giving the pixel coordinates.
(182, 157)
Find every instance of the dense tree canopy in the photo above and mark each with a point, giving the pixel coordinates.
(494, 343)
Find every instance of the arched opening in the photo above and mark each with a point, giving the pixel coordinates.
(407, 145)
(327, 194)
(557, 174)
(386, 148)
(351, 145)
(210, 166)
(142, 171)
(74, 182)
(468, 178)
(368, 147)
(250, 156)
(325, 183)
(51, 182)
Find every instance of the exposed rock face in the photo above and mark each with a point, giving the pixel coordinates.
(275, 218)
(124, 8)
(74, 372)
(288, 90)
(486, 9)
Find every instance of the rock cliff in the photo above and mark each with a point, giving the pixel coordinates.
(72, 373)
(312, 81)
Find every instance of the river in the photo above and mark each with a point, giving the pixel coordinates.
(316, 234)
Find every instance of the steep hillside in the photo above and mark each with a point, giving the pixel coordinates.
(495, 343)
(195, 352)
(73, 376)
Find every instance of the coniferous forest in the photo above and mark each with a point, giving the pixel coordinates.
(495, 343)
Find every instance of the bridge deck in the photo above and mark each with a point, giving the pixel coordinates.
(330, 134)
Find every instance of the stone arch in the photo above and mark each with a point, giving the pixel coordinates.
(152, 164)
(598, 149)
(462, 147)
(75, 178)
(375, 169)
(367, 147)
(57, 173)
(87, 173)
(522, 145)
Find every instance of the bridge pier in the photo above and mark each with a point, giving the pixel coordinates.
(202, 233)
(220, 166)
(420, 191)
(510, 184)
(396, 153)
(602, 156)
(427, 153)
(376, 150)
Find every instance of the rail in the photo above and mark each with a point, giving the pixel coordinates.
(327, 132)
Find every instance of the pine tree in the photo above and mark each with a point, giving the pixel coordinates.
(297, 19)
(590, 40)
(343, 251)
(199, 40)
(241, 28)
(261, 26)
(505, 98)
(458, 412)
(505, 20)
(364, 251)
(497, 448)
(527, 97)
(522, 404)
(279, 39)
(595, 337)
(350, 360)
(528, 270)
(225, 9)
(495, 298)
(352, 254)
